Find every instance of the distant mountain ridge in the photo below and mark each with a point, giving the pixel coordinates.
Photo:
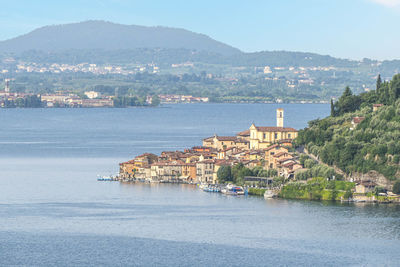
(104, 35)
(101, 42)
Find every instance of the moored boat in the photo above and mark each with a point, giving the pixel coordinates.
(107, 178)
(269, 194)
(212, 188)
(233, 190)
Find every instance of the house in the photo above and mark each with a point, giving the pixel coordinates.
(355, 121)
(205, 171)
(245, 135)
(92, 94)
(189, 172)
(365, 187)
(270, 155)
(127, 169)
(223, 142)
(143, 172)
(375, 107)
(167, 171)
(288, 169)
(227, 153)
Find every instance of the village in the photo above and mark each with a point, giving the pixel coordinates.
(86, 99)
(269, 148)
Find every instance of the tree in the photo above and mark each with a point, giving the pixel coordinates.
(155, 101)
(347, 102)
(224, 174)
(394, 89)
(396, 187)
(378, 83)
(332, 109)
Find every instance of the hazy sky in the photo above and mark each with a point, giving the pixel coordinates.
(341, 28)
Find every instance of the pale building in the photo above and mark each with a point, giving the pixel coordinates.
(92, 94)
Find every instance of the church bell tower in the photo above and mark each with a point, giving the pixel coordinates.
(279, 117)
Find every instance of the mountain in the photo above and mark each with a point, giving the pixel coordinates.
(102, 35)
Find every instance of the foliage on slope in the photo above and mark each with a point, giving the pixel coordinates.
(317, 189)
(372, 145)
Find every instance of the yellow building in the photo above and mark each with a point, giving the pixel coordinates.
(224, 142)
(262, 137)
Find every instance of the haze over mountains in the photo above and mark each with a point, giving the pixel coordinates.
(111, 36)
(102, 42)
(106, 42)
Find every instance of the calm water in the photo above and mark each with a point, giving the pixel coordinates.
(54, 212)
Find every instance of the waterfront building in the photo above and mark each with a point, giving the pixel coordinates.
(167, 171)
(95, 103)
(138, 168)
(92, 94)
(127, 169)
(189, 172)
(205, 171)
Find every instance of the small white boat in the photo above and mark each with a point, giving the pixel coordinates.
(269, 194)
(106, 178)
(233, 190)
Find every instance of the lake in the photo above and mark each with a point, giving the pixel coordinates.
(53, 211)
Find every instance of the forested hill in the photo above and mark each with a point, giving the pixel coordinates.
(102, 35)
(102, 42)
(373, 144)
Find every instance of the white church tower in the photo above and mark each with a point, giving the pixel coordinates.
(279, 117)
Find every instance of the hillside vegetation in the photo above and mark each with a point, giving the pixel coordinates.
(317, 189)
(112, 36)
(374, 144)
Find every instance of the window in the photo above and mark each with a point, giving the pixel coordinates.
(264, 135)
(276, 135)
(289, 136)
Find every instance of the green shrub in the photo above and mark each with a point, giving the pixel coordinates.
(396, 187)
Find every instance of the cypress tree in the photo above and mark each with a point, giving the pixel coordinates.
(332, 109)
(378, 83)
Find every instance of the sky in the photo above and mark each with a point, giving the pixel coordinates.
(352, 29)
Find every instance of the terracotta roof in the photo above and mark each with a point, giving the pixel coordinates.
(277, 155)
(207, 161)
(368, 183)
(288, 164)
(208, 138)
(358, 119)
(271, 147)
(275, 129)
(227, 149)
(244, 133)
(226, 138)
(284, 159)
(378, 105)
(128, 162)
(285, 141)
